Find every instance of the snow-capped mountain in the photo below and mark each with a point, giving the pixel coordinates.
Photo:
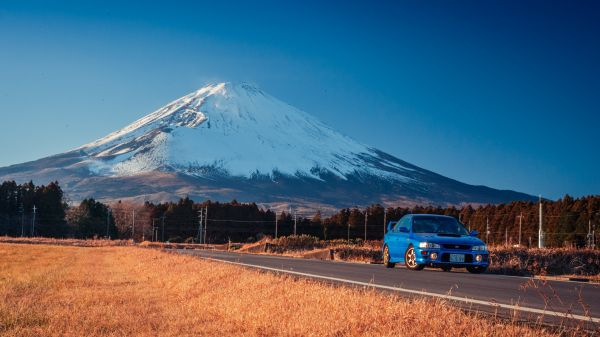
(235, 129)
(228, 141)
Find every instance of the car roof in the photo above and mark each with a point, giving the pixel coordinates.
(431, 215)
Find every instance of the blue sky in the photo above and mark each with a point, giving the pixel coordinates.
(504, 94)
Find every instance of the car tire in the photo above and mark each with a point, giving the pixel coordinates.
(410, 259)
(476, 269)
(386, 258)
(446, 268)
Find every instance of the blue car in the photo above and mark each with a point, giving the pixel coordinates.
(421, 240)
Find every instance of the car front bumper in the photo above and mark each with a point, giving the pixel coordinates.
(442, 257)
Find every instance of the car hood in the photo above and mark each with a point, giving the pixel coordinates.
(462, 240)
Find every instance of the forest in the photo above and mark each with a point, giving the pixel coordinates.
(30, 210)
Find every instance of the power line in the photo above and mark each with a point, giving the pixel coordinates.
(249, 221)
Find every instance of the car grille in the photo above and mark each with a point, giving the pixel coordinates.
(456, 247)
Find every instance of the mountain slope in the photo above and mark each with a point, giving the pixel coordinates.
(228, 141)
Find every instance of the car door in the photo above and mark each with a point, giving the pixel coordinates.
(403, 236)
(391, 240)
(397, 236)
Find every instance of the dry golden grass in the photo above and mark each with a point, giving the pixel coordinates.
(66, 242)
(165, 245)
(128, 291)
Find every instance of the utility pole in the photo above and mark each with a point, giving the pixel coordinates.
(275, 224)
(133, 227)
(540, 231)
(594, 235)
(33, 221)
(163, 229)
(348, 231)
(154, 238)
(22, 220)
(108, 223)
(520, 226)
(205, 223)
(384, 220)
(295, 222)
(200, 221)
(506, 237)
(156, 229)
(487, 229)
(589, 233)
(366, 215)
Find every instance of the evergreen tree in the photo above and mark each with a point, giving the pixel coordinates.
(93, 219)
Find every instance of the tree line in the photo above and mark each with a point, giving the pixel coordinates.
(565, 221)
(30, 210)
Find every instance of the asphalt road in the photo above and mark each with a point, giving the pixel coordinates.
(532, 300)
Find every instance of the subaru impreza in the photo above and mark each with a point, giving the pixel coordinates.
(427, 240)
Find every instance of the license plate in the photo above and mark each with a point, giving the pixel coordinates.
(457, 257)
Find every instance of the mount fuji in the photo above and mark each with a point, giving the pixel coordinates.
(233, 141)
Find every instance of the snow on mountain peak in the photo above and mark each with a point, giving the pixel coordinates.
(236, 129)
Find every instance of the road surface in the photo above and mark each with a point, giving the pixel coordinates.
(531, 300)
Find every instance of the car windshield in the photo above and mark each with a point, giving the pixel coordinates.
(438, 225)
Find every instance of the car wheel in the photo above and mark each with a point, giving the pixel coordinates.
(476, 269)
(446, 268)
(386, 258)
(410, 259)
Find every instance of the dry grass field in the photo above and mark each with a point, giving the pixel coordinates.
(129, 291)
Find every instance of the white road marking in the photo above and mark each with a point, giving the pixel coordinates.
(416, 292)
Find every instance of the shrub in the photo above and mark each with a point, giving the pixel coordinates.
(175, 239)
(297, 242)
(555, 261)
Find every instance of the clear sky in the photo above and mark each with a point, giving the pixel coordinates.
(498, 93)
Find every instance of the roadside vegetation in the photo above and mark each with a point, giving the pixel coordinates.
(127, 291)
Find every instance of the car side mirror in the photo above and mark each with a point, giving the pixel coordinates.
(473, 233)
(390, 226)
(403, 230)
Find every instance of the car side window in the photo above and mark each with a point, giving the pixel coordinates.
(407, 224)
(403, 223)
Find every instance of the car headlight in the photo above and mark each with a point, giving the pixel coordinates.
(428, 245)
(480, 248)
